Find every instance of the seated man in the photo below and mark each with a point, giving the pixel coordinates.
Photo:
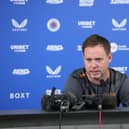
(96, 78)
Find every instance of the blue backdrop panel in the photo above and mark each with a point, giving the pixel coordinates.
(40, 44)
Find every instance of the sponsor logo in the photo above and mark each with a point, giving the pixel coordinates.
(79, 48)
(21, 71)
(119, 2)
(19, 26)
(19, 2)
(87, 3)
(53, 24)
(116, 47)
(119, 26)
(57, 91)
(86, 24)
(54, 48)
(19, 48)
(54, 1)
(19, 95)
(122, 69)
(53, 73)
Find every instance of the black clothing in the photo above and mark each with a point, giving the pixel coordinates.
(118, 84)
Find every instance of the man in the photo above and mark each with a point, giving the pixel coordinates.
(96, 77)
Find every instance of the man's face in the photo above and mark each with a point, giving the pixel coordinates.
(96, 62)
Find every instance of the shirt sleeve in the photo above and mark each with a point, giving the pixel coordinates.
(73, 87)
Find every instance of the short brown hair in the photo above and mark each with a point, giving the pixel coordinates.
(94, 40)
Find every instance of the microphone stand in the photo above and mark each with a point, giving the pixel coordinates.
(64, 107)
(100, 103)
(60, 118)
(100, 116)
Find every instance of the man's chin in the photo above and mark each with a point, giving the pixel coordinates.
(96, 77)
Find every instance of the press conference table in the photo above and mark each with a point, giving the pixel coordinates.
(87, 119)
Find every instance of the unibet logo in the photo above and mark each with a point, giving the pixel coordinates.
(19, 48)
(87, 24)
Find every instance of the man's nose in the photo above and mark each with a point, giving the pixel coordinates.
(94, 63)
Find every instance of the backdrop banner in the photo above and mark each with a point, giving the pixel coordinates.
(40, 44)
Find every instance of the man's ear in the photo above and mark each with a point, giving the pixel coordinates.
(110, 57)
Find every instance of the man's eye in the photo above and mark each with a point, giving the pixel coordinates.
(88, 60)
(99, 59)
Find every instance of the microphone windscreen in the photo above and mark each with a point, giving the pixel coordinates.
(53, 91)
(45, 103)
(71, 97)
(109, 102)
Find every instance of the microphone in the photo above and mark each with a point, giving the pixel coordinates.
(71, 97)
(47, 101)
(52, 94)
(75, 104)
(108, 101)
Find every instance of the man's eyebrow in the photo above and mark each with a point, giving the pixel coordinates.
(93, 58)
(98, 58)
